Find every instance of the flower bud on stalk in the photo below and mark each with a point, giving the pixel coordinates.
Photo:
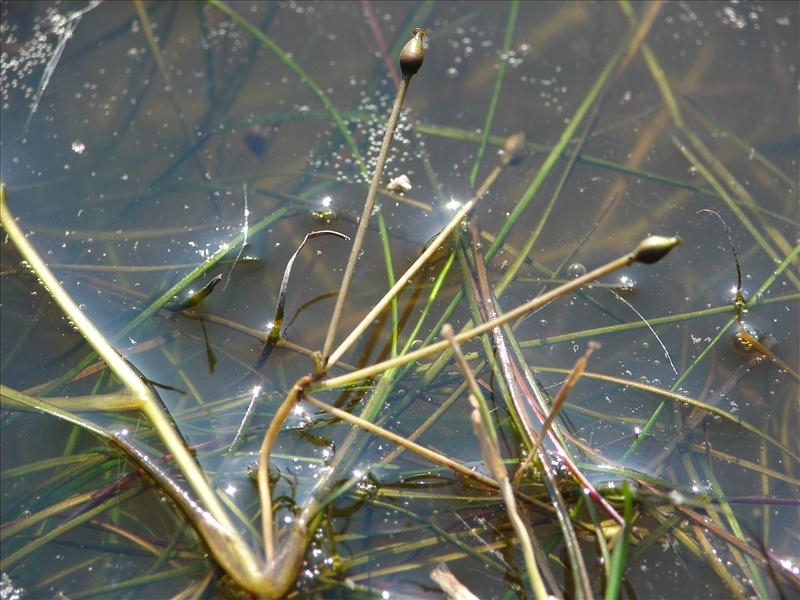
(412, 53)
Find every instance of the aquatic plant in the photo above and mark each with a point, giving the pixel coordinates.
(461, 454)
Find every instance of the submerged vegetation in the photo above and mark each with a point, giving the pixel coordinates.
(202, 396)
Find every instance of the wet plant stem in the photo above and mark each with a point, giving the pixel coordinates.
(570, 382)
(263, 463)
(484, 431)
(358, 239)
(381, 305)
(536, 303)
(150, 406)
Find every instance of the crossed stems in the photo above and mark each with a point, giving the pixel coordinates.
(648, 251)
(273, 577)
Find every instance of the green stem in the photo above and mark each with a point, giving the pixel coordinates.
(138, 389)
(267, 42)
(513, 9)
(619, 557)
(369, 203)
(660, 408)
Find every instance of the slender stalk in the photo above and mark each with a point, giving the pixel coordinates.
(410, 60)
(369, 204)
(263, 463)
(484, 431)
(574, 375)
(381, 305)
(513, 9)
(469, 378)
(150, 406)
(431, 455)
(640, 255)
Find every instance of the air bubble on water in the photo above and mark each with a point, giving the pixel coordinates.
(575, 270)
(78, 147)
(625, 285)
(741, 341)
(370, 125)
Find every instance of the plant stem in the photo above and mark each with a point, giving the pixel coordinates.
(401, 441)
(399, 285)
(513, 9)
(486, 327)
(150, 406)
(358, 240)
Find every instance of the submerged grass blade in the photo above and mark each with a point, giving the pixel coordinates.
(683, 399)
(708, 120)
(150, 406)
(513, 9)
(13, 558)
(556, 152)
(745, 198)
(268, 43)
(619, 556)
(161, 301)
(660, 408)
(655, 322)
(455, 133)
(735, 208)
(655, 68)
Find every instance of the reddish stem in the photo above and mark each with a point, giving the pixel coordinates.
(375, 28)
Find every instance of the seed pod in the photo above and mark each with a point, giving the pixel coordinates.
(412, 53)
(654, 248)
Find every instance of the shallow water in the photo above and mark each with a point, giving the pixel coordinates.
(126, 176)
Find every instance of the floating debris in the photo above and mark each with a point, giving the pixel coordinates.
(399, 184)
